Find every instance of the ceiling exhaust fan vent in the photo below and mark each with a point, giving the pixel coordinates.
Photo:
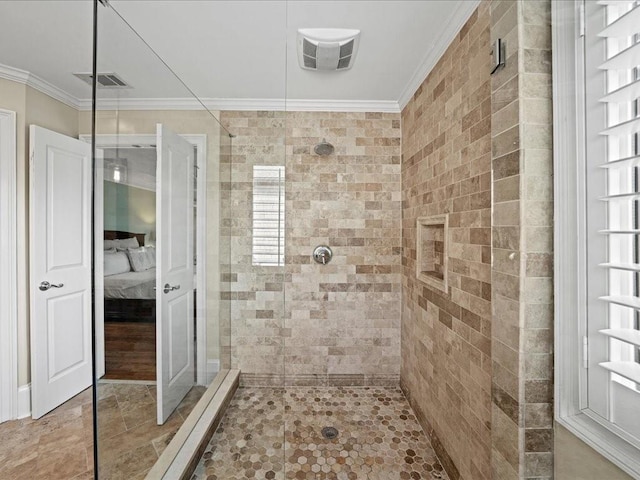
(327, 48)
(105, 80)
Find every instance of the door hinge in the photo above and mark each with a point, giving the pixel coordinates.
(585, 352)
(581, 20)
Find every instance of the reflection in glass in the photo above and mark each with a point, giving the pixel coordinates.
(158, 250)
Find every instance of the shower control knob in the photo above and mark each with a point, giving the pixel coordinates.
(322, 254)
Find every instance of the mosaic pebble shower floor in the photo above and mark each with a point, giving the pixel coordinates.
(378, 438)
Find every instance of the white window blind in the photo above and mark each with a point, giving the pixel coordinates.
(612, 126)
(268, 215)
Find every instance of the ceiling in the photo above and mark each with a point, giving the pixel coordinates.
(230, 53)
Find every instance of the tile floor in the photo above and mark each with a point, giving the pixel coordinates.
(130, 440)
(378, 438)
(59, 446)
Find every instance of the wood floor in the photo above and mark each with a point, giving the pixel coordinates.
(130, 350)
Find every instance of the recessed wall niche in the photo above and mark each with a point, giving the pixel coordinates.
(432, 251)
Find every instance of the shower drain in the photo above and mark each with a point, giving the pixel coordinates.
(329, 433)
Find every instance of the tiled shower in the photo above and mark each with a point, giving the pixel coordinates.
(469, 146)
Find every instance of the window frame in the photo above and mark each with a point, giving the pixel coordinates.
(570, 269)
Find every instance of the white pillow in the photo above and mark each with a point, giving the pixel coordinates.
(151, 255)
(116, 262)
(139, 259)
(129, 243)
(121, 244)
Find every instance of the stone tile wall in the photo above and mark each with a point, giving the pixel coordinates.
(305, 323)
(446, 169)
(522, 341)
(255, 293)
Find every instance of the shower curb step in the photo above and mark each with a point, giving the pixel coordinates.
(180, 459)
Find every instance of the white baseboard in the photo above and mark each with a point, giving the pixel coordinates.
(213, 367)
(24, 401)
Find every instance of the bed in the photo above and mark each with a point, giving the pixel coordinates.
(131, 285)
(129, 296)
(129, 313)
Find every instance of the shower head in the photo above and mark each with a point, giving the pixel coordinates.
(324, 148)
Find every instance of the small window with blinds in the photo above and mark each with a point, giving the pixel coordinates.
(268, 215)
(611, 395)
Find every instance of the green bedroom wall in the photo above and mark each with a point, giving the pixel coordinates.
(129, 209)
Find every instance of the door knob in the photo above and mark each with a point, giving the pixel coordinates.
(170, 288)
(44, 286)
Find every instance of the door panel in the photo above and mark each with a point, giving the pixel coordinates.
(66, 220)
(179, 342)
(60, 256)
(180, 258)
(174, 271)
(65, 315)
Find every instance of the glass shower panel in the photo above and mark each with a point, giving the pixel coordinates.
(250, 440)
(255, 214)
(160, 251)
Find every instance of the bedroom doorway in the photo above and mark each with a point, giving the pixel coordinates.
(129, 228)
(129, 179)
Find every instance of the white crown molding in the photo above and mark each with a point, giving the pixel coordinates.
(14, 74)
(184, 104)
(453, 25)
(244, 104)
(141, 104)
(301, 105)
(29, 79)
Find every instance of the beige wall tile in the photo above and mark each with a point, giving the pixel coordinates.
(302, 321)
(446, 169)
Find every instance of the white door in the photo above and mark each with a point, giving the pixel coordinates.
(60, 268)
(174, 271)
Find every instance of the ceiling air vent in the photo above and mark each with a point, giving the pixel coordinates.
(327, 48)
(105, 80)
